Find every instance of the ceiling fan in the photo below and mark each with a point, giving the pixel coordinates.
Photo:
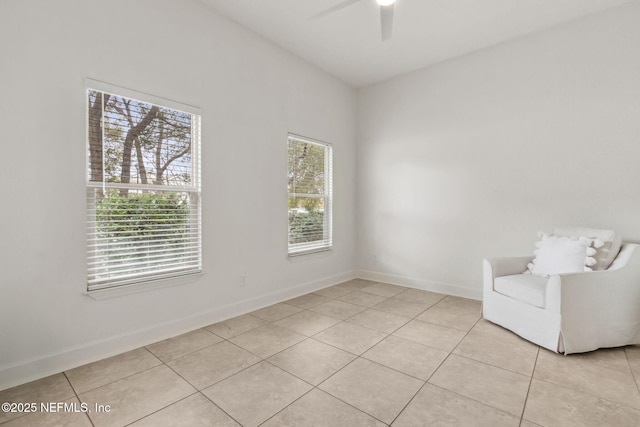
(386, 14)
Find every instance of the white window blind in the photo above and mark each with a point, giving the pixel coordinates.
(143, 188)
(310, 195)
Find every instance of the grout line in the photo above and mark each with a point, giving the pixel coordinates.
(181, 376)
(163, 408)
(77, 396)
(465, 335)
(71, 385)
(408, 403)
(464, 397)
(526, 398)
(219, 407)
(587, 393)
(294, 401)
(185, 354)
(123, 378)
(339, 398)
(289, 373)
(633, 375)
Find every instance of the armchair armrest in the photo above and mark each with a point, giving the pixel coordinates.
(599, 287)
(504, 266)
(599, 308)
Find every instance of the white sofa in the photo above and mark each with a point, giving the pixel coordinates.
(566, 313)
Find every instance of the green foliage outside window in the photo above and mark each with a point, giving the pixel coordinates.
(151, 225)
(141, 216)
(305, 226)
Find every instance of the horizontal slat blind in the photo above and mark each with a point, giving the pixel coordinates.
(143, 192)
(310, 195)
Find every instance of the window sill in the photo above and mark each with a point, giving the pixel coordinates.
(310, 254)
(135, 288)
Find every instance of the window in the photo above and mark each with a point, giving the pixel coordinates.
(143, 188)
(310, 195)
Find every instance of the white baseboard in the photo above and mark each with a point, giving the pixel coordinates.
(422, 284)
(50, 364)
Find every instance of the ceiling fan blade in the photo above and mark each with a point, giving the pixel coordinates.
(335, 8)
(386, 21)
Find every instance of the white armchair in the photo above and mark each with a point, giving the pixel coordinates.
(566, 313)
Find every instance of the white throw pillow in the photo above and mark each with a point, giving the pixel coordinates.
(559, 255)
(606, 242)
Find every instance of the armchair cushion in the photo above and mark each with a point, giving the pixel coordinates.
(526, 288)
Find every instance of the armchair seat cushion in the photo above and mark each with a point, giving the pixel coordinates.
(527, 288)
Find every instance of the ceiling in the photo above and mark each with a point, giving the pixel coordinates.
(347, 43)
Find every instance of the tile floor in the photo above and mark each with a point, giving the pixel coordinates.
(356, 354)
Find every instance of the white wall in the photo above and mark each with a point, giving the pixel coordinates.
(251, 93)
(470, 158)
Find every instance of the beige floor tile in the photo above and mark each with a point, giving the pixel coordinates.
(498, 332)
(610, 358)
(333, 292)
(320, 409)
(338, 309)
(484, 381)
(276, 312)
(55, 388)
(183, 344)
(364, 299)
(401, 307)
(434, 406)
(518, 356)
(194, 411)
(349, 337)
(212, 364)
(463, 303)
(375, 389)
(312, 360)
(267, 340)
(102, 372)
(425, 298)
(588, 376)
(408, 357)
(307, 301)
(384, 289)
(461, 317)
(379, 320)
(552, 405)
(492, 386)
(136, 396)
(256, 394)
(307, 322)
(435, 336)
(355, 284)
(236, 326)
(69, 416)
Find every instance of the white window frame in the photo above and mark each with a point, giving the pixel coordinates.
(326, 244)
(121, 285)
